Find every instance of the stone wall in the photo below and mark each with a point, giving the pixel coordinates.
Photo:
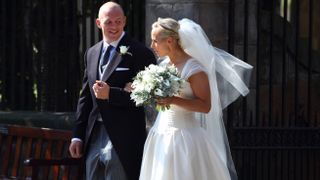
(212, 15)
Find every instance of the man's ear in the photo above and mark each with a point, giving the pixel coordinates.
(124, 20)
(98, 22)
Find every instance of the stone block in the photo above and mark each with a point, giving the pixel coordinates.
(214, 20)
(213, 17)
(175, 11)
(153, 11)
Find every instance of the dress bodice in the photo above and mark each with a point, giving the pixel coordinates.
(178, 117)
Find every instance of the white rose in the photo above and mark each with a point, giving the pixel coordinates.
(124, 50)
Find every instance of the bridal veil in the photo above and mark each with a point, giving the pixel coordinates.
(228, 77)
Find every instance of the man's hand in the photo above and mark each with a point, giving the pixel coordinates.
(75, 149)
(128, 87)
(101, 90)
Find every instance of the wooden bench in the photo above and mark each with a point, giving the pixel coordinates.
(36, 153)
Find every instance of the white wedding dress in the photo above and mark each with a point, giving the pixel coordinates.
(177, 147)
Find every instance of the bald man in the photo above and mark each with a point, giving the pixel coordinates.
(110, 130)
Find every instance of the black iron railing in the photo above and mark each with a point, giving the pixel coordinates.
(275, 131)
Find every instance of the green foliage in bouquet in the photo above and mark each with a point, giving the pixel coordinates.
(156, 82)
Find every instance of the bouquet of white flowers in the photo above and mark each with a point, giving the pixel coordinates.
(156, 82)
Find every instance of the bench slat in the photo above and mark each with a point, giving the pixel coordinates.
(56, 169)
(16, 157)
(6, 157)
(0, 138)
(37, 153)
(47, 156)
(26, 171)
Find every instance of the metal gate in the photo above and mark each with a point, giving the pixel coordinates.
(275, 131)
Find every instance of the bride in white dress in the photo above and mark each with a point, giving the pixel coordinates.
(188, 141)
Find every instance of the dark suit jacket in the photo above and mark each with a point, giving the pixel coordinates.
(124, 122)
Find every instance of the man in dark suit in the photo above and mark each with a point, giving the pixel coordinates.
(109, 130)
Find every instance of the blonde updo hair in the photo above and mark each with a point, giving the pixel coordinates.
(168, 28)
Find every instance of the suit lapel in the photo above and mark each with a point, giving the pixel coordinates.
(114, 62)
(94, 61)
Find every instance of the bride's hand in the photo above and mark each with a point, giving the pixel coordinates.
(165, 101)
(128, 87)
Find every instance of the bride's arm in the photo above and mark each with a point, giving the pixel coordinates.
(201, 89)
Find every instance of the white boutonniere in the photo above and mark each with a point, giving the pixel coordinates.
(124, 50)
